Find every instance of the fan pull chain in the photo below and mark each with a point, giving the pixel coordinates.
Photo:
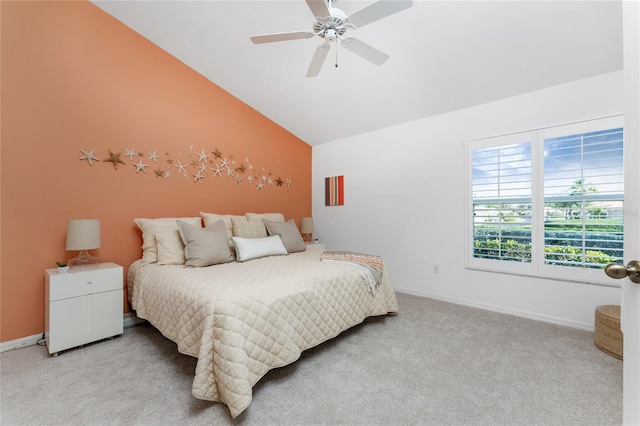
(336, 53)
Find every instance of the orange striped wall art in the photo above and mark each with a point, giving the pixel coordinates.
(334, 191)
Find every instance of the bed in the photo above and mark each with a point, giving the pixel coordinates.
(241, 319)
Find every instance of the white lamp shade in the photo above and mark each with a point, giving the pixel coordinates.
(306, 225)
(83, 234)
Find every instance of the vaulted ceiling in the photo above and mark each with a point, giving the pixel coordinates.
(444, 56)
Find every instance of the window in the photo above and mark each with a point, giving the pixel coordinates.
(548, 202)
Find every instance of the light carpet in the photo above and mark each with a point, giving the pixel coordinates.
(434, 363)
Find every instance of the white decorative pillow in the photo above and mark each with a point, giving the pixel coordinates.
(254, 248)
(170, 248)
(205, 246)
(289, 233)
(151, 227)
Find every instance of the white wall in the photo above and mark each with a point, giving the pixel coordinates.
(405, 200)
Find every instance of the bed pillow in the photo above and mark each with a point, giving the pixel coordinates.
(244, 228)
(275, 217)
(205, 246)
(254, 248)
(209, 218)
(170, 248)
(251, 225)
(151, 227)
(289, 234)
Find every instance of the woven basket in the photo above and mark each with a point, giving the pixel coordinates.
(607, 335)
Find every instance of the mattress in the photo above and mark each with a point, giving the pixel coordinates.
(242, 319)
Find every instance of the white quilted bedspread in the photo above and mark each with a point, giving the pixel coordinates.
(242, 319)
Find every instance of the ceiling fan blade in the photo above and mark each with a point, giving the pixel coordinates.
(318, 60)
(365, 51)
(318, 8)
(378, 10)
(269, 38)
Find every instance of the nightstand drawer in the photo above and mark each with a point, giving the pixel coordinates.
(106, 277)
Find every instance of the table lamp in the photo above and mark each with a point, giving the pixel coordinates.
(306, 229)
(83, 235)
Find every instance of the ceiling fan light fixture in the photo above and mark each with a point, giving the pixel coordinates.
(332, 23)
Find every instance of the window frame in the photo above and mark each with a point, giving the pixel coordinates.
(537, 267)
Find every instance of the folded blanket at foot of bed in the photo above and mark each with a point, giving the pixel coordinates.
(370, 266)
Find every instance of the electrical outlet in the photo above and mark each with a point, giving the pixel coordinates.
(436, 269)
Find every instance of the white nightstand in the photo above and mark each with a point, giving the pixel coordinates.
(82, 306)
(315, 246)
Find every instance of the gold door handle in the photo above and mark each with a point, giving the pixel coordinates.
(619, 271)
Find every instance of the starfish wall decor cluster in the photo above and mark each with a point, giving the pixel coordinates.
(194, 166)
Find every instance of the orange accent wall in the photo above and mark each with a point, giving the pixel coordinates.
(74, 78)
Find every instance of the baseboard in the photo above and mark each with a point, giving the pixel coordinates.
(20, 343)
(128, 320)
(131, 320)
(515, 312)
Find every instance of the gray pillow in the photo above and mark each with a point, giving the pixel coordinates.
(205, 246)
(289, 233)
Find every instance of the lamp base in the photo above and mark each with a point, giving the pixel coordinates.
(307, 238)
(84, 260)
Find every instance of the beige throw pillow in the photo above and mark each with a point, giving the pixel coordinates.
(209, 218)
(289, 234)
(251, 226)
(205, 246)
(151, 227)
(248, 228)
(170, 248)
(275, 217)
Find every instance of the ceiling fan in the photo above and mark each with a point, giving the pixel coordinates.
(331, 24)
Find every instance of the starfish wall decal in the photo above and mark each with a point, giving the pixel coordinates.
(88, 155)
(217, 163)
(203, 156)
(140, 166)
(114, 158)
(217, 171)
(130, 153)
(181, 167)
